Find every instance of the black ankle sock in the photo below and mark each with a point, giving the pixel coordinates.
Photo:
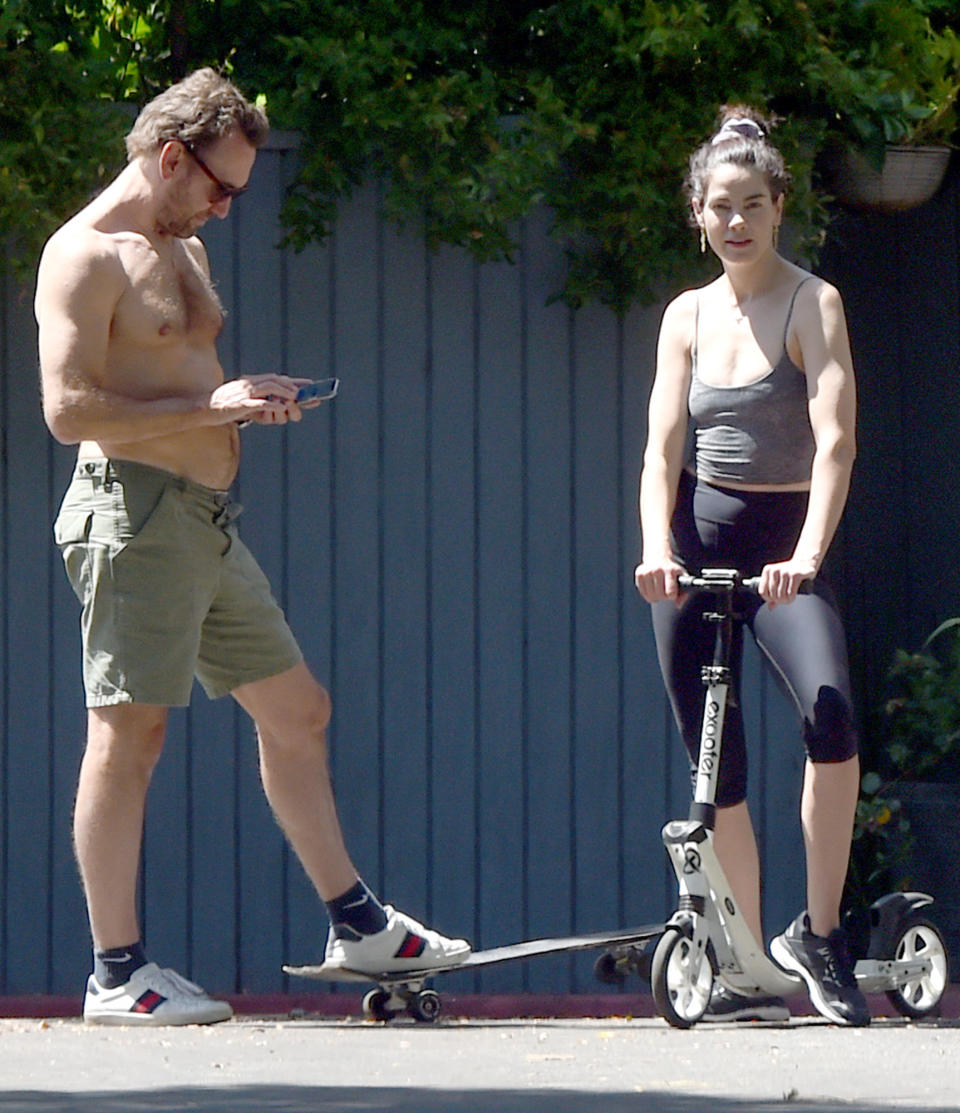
(113, 967)
(358, 911)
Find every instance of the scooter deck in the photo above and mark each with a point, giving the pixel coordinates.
(531, 948)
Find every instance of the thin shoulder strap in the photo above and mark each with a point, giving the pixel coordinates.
(786, 327)
(696, 330)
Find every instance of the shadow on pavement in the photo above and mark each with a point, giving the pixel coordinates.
(314, 1099)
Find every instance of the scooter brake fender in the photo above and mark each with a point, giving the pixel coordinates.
(888, 915)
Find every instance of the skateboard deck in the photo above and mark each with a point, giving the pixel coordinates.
(404, 990)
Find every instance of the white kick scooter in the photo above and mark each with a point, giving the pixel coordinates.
(707, 937)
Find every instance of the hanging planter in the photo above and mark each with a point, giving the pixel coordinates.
(910, 176)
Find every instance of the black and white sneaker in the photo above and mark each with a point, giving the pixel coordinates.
(825, 965)
(725, 1005)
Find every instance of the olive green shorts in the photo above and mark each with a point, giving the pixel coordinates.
(169, 591)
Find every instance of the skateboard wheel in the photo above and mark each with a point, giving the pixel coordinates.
(425, 1006)
(376, 1006)
(607, 969)
(640, 960)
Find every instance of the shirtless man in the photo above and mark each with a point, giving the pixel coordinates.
(128, 322)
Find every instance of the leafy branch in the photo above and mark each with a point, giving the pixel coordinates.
(474, 115)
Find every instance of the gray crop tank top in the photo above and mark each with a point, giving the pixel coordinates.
(756, 433)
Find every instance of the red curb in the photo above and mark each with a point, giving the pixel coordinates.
(485, 1006)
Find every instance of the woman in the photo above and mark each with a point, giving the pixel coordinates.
(759, 362)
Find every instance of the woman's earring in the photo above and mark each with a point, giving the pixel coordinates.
(703, 240)
(776, 236)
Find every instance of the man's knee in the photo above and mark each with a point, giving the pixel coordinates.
(303, 725)
(315, 708)
(127, 737)
(320, 709)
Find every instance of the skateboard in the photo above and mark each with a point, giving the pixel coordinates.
(396, 992)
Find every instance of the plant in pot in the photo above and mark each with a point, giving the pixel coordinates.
(907, 829)
(894, 96)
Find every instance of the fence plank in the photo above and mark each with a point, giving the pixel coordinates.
(453, 686)
(548, 588)
(500, 624)
(28, 759)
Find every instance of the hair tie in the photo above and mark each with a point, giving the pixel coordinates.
(739, 126)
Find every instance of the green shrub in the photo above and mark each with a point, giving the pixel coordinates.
(919, 730)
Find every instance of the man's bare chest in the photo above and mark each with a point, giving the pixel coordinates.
(168, 298)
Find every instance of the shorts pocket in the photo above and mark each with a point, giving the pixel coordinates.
(72, 527)
(71, 531)
(146, 520)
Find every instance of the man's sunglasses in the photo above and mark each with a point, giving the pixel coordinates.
(224, 192)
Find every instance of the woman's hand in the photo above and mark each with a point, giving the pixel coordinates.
(780, 582)
(657, 580)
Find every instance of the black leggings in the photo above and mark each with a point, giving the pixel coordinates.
(803, 641)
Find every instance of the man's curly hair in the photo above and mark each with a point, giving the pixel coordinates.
(198, 110)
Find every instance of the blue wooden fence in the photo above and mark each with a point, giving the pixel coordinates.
(454, 539)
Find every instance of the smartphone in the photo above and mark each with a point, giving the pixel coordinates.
(318, 390)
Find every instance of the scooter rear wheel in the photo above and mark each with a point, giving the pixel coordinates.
(682, 979)
(920, 938)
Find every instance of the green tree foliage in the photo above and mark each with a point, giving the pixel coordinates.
(71, 75)
(55, 131)
(472, 114)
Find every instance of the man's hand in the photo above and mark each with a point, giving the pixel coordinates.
(265, 399)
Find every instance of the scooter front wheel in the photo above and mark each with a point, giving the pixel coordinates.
(919, 997)
(681, 977)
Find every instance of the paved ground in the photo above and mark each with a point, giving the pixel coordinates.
(257, 1065)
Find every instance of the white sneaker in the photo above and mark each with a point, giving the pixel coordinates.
(152, 997)
(404, 944)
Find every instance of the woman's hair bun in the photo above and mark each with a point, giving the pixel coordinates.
(742, 139)
(739, 121)
(739, 126)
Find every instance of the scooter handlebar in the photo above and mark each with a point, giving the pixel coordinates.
(724, 579)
